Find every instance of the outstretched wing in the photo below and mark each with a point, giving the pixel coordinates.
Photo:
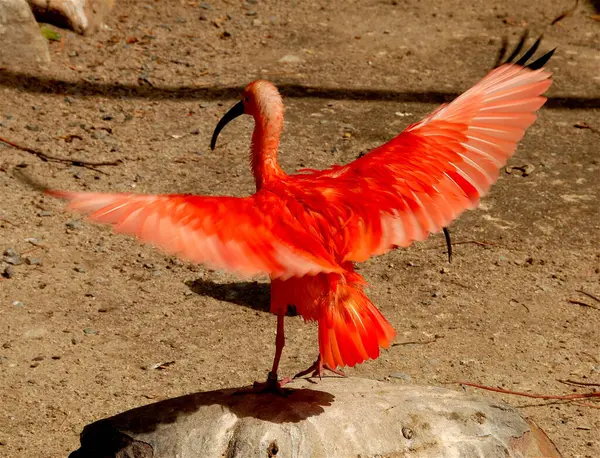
(252, 235)
(421, 180)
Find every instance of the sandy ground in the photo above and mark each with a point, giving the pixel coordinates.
(87, 314)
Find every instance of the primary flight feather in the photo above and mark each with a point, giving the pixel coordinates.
(306, 230)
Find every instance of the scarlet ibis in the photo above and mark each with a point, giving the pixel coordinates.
(307, 230)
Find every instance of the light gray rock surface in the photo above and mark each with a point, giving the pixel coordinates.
(333, 418)
(21, 43)
(82, 16)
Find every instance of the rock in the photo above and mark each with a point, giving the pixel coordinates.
(401, 376)
(73, 225)
(30, 261)
(290, 59)
(9, 272)
(82, 16)
(22, 42)
(334, 418)
(11, 257)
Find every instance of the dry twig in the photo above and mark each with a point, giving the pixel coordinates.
(563, 397)
(583, 304)
(566, 13)
(49, 158)
(574, 382)
(590, 295)
(419, 342)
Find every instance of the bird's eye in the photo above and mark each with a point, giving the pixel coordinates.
(247, 99)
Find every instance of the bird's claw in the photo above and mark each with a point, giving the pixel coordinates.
(318, 368)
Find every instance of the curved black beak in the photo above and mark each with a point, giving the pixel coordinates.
(234, 112)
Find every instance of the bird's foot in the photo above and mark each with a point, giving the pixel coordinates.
(318, 368)
(271, 385)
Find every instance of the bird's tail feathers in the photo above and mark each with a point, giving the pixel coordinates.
(353, 329)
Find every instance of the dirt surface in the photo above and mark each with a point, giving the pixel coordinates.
(84, 322)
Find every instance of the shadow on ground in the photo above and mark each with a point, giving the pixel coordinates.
(47, 85)
(251, 294)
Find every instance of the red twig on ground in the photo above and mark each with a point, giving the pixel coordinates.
(564, 397)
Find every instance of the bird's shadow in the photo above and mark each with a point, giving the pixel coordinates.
(113, 436)
(251, 294)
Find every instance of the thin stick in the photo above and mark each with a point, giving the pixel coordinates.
(574, 382)
(475, 242)
(418, 342)
(566, 13)
(48, 158)
(568, 397)
(590, 295)
(583, 304)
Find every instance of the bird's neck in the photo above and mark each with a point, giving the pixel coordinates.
(265, 144)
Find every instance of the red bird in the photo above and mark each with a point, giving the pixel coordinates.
(306, 230)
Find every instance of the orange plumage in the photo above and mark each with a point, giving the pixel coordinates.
(306, 230)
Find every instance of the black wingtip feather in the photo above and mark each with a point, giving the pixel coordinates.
(519, 47)
(535, 65)
(530, 52)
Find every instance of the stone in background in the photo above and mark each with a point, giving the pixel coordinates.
(21, 43)
(82, 16)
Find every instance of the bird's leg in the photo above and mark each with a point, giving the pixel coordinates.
(318, 368)
(273, 384)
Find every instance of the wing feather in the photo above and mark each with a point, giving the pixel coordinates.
(421, 180)
(237, 234)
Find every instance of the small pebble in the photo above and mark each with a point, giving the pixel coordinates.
(79, 269)
(18, 304)
(45, 213)
(10, 252)
(9, 272)
(32, 261)
(11, 257)
(38, 358)
(251, 13)
(401, 376)
(205, 6)
(90, 332)
(32, 128)
(290, 59)
(436, 294)
(73, 225)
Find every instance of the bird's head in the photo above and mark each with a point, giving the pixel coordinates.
(260, 99)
